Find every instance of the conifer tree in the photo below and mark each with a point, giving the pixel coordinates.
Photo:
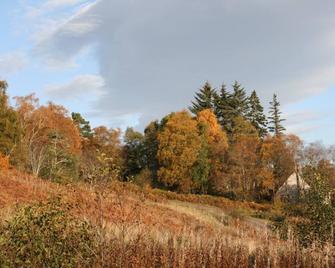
(223, 108)
(83, 125)
(256, 114)
(239, 100)
(203, 99)
(9, 125)
(275, 119)
(134, 151)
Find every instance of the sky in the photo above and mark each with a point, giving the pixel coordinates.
(126, 62)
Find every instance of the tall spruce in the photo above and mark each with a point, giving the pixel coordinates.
(239, 106)
(9, 125)
(239, 100)
(203, 99)
(275, 120)
(256, 114)
(223, 108)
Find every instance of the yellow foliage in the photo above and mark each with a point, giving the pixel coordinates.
(215, 135)
(179, 145)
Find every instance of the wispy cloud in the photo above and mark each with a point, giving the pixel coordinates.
(79, 87)
(11, 63)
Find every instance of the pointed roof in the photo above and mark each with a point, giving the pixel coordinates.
(292, 186)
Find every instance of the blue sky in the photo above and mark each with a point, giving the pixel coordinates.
(125, 63)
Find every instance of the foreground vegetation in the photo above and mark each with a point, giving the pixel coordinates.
(123, 225)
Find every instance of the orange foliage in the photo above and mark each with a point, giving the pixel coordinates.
(215, 135)
(44, 126)
(278, 155)
(4, 162)
(179, 145)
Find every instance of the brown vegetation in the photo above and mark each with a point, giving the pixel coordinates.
(152, 228)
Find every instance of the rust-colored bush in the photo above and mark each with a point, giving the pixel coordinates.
(4, 162)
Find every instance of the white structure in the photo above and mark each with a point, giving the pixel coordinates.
(292, 188)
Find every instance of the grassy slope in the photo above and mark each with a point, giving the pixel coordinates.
(200, 225)
(129, 205)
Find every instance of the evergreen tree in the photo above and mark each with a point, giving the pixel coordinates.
(203, 99)
(134, 150)
(83, 125)
(275, 119)
(223, 108)
(9, 125)
(239, 101)
(151, 147)
(256, 114)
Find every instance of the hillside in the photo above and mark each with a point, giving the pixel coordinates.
(218, 232)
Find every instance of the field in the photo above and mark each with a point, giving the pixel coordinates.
(141, 227)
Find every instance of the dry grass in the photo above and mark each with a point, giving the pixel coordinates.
(152, 228)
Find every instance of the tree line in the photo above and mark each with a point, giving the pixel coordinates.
(224, 145)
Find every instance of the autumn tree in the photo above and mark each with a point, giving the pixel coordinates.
(178, 149)
(278, 157)
(51, 141)
(106, 161)
(203, 99)
(243, 157)
(9, 125)
(275, 120)
(256, 114)
(214, 143)
(61, 142)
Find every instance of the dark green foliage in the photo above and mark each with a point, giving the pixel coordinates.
(203, 99)
(9, 125)
(229, 105)
(45, 235)
(151, 149)
(223, 109)
(275, 120)
(256, 114)
(239, 101)
(83, 125)
(134, 151)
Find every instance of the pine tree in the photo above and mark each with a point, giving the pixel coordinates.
(239, 101)
(275, 119)
(203, 99)
(223, 108)
(256, 114)
(83, 125)
(9, 125)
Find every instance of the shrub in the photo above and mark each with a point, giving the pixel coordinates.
(4, 162)
(46, 235)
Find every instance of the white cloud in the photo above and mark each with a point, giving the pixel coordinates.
(79, 87)
(34, 12)
(11, 63)
(69, 29)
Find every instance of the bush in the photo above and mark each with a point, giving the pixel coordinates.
(4, 162)
(46, 235)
